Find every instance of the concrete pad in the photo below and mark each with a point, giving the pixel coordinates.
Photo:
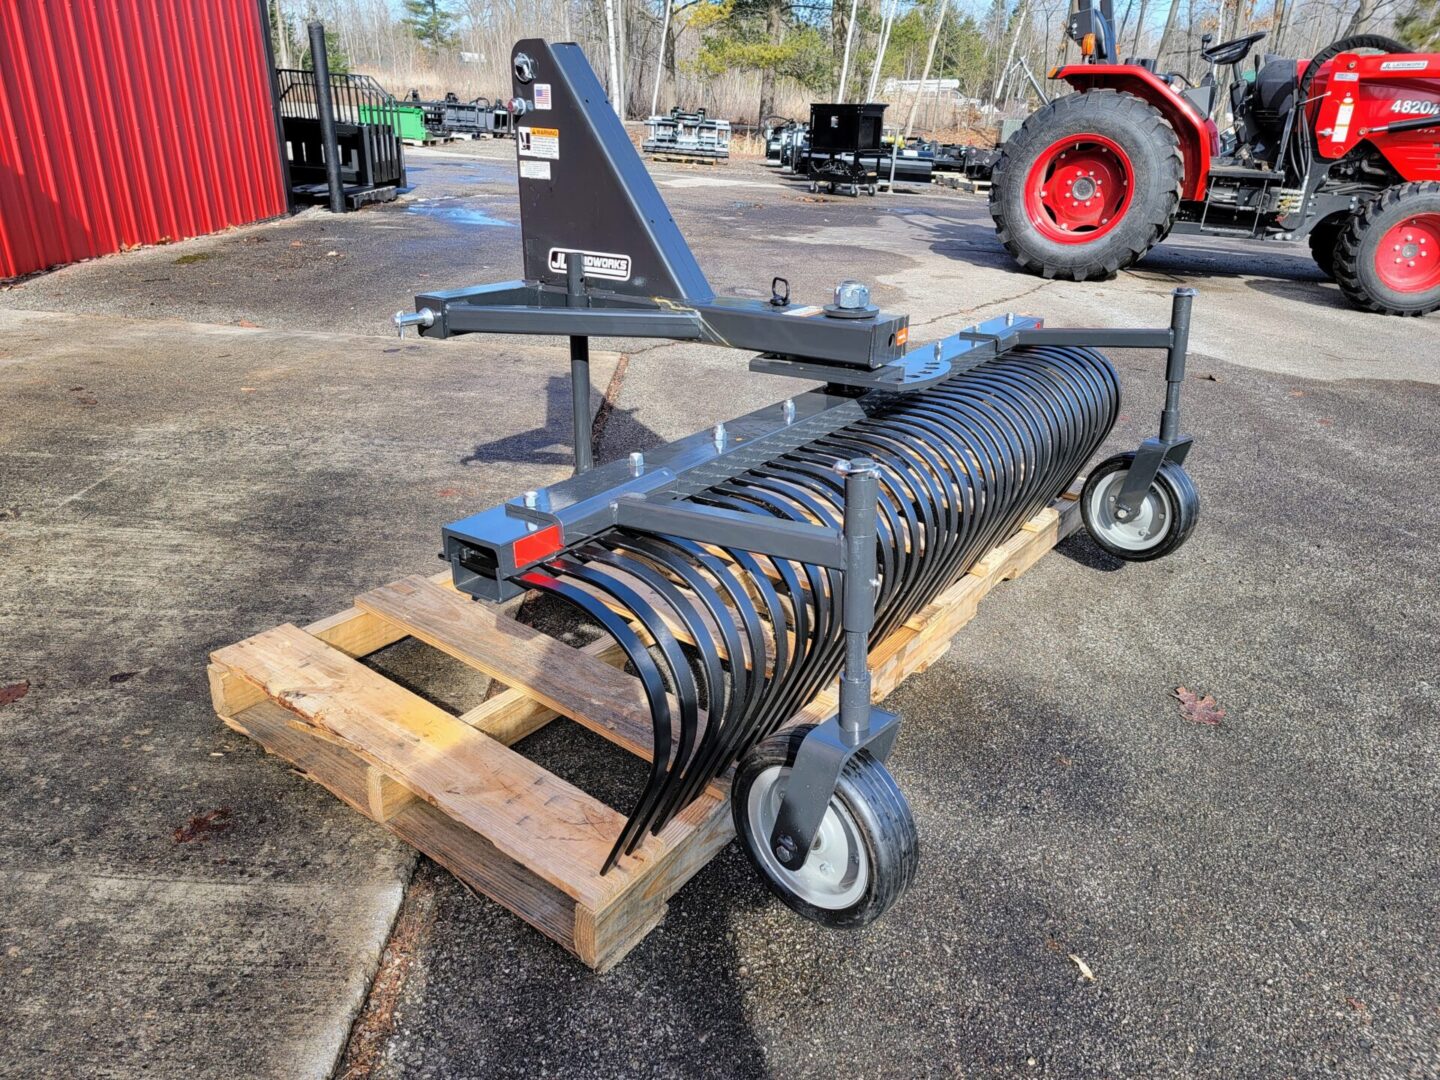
(173, 902)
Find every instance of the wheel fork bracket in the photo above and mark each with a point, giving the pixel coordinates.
(826, 749)
(1169, 445)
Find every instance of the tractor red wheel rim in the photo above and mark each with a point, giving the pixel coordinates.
(1079, 188)
(1407, 258)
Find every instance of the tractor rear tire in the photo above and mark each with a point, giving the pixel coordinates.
(1387, 259)
(1323, 239)
(1107, 136)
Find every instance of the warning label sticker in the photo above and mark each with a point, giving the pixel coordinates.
(535, 170)
(542, 95)
(539, 142)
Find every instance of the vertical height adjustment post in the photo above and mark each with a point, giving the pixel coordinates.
(857, 614)
(579, 365)
(1170, 445)
(858, 725)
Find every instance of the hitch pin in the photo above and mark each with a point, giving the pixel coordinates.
(424, 317)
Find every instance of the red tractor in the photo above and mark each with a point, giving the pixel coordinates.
(1342, 150)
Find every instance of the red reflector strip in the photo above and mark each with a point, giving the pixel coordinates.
(537, 545)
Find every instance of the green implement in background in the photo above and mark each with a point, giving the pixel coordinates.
(407, 120)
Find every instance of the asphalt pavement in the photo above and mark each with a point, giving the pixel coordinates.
(207, 439)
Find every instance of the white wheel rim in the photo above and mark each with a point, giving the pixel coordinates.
(837, 872)
(1145, 529)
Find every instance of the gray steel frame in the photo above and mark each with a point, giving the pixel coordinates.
(863, 363)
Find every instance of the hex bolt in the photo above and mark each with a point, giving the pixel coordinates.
(1009, 318)
(719, 434)
(532, 500)
(851, 295)
(787, 410)
(637, 463)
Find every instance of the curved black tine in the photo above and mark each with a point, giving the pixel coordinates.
(962, 465)
(720, 718)
(650, 679)
(681, 678)
(704, 644)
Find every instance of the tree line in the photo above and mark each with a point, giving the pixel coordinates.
(750, 60)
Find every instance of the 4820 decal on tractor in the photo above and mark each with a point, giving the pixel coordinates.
(1342, 150)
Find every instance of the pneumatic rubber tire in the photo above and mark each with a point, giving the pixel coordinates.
(1164, 522)
(1152, 152)
(1323, 239)
(1365, 241)
(868, 822)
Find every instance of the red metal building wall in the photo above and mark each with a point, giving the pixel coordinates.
(127, 122)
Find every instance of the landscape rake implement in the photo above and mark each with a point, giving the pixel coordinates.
(744, 569)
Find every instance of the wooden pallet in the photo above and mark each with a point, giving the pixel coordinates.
(452, 786)
(962, 183)
(685, 159)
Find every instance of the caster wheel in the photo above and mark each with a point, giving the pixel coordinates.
(872, 189)
(814, 187)
(1163, 522)
(865, 852)
(832, 189)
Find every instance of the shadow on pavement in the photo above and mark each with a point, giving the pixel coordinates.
(529, 447)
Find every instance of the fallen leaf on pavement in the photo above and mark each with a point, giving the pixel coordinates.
(1200, 710)
(202, 825)
(1085, 972)
(14, 692)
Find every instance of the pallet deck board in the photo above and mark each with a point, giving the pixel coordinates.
(474, 779)
(567, 680)
(452, 786)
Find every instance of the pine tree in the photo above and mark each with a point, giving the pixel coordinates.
(1420, 26)
(432, 22)
(334, 55)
